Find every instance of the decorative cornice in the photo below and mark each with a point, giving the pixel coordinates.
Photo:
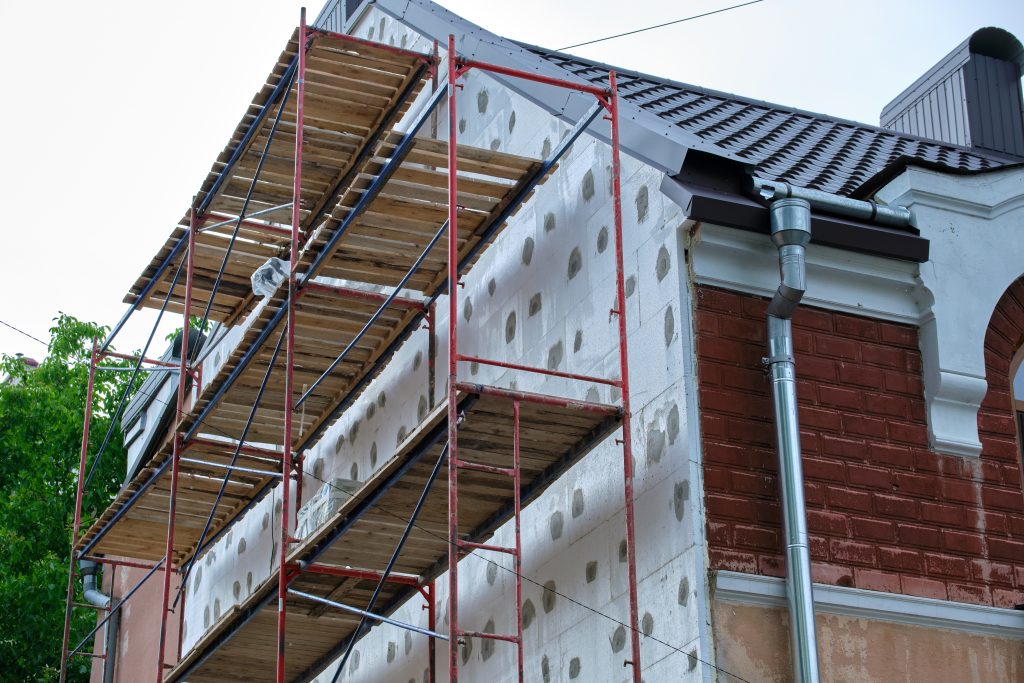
(769, 591)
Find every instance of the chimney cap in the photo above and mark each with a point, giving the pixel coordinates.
(997, 43)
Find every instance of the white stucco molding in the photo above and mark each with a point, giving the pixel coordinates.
(975, 225)
(838, 280)
(769, 591)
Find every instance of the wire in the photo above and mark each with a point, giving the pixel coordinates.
(667, 23)
(30, 336)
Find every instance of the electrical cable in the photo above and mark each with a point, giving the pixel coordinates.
(30, 336)
(667, 23)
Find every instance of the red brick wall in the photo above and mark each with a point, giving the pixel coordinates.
(884, 512)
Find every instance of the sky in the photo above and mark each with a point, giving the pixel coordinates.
(114, 111)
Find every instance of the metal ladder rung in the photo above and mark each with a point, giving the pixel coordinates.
(484, 546)
(489, 636)
(480, 467)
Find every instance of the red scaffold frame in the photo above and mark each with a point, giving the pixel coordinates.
(607, 99)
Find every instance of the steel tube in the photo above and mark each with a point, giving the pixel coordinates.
(365, 574)
(466, 64)
(362, 295)
(289, 377)
(176, 446)
(77, 524)
(541, 371)
(345, 38)
(542, 399)
(517, 495)
(228, 220)
(453, 365)
(368, 615)
(894, 216)
(791, 231)
(627, 435)
(234, 468)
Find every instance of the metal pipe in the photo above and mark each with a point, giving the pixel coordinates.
(369, 615)
(791, 231)
(245, 219)
(94, 596)
(894, 216)
(232, 468)
(627, 437)
(77, 525)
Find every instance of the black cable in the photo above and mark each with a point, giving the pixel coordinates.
(667, 23)
(30, 336)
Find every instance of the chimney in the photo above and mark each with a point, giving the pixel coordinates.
(972, 97)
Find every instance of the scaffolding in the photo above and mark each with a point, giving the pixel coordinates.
(328, 172)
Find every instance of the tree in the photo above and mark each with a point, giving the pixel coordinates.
(41, 414)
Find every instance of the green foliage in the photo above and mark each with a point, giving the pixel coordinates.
(195, 324)
(41, 413)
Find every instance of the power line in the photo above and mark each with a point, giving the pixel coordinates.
(667, 23)
(30, 336)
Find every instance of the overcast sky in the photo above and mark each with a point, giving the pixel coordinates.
(114, 111)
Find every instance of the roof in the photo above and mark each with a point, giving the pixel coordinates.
(784, 144)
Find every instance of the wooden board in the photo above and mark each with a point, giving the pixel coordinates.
(242, 645)
(349, 91)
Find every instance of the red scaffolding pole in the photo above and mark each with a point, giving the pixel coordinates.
(284, 577)
(86, 422)
(183, 376)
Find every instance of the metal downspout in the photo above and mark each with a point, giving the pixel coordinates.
(791, 231)
(95, 597)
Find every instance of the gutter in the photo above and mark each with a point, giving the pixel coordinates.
(790, 211)
(101, 600)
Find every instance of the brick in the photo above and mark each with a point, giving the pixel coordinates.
(733, 561)
(861, 375)
(707, 323)
(887, 405)
(757, 538)
(875, 580)
(836, 347)
(729, 507)
(1011, 476)
(839, 446)
(725, 454)
(710, 299)
(1002, 499)
(814, 493)
(717, 479)
(818, 548)
(850, 326)
(962, 542)
(871, 477)
(914, 484)
(896, 456)
(720, 401)
(1007, 599)
(744, 379)
(755, 484)
(743, 329)
(896, 506)
(1006, 549)
(861, 425)
(984, 520)
(819, 468)
(749, 431)
(899, 335)
(922, 587)
(719, 534)
(848, 499)
(818, 418)
(942, 513)
(920, 536)
(712, 426)
(975, 595)
(959, 491)
(901, 559)
(874, 529)
(853, 552)
(821, 369)
(771, 565)
(947, 565)
(991, 573)
(814, 319)
(1000, 449)
(996, 424)
(884, 356)
(767, 512)
(915, 434)
(903, 383)
(831, 574)
(825, 522)
(840, 397)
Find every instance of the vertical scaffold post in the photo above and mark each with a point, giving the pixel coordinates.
(517, 493)
(627, 440)
(432, 626)
(283, 575)
(76, 527)
(183, 375)
(453, 351)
